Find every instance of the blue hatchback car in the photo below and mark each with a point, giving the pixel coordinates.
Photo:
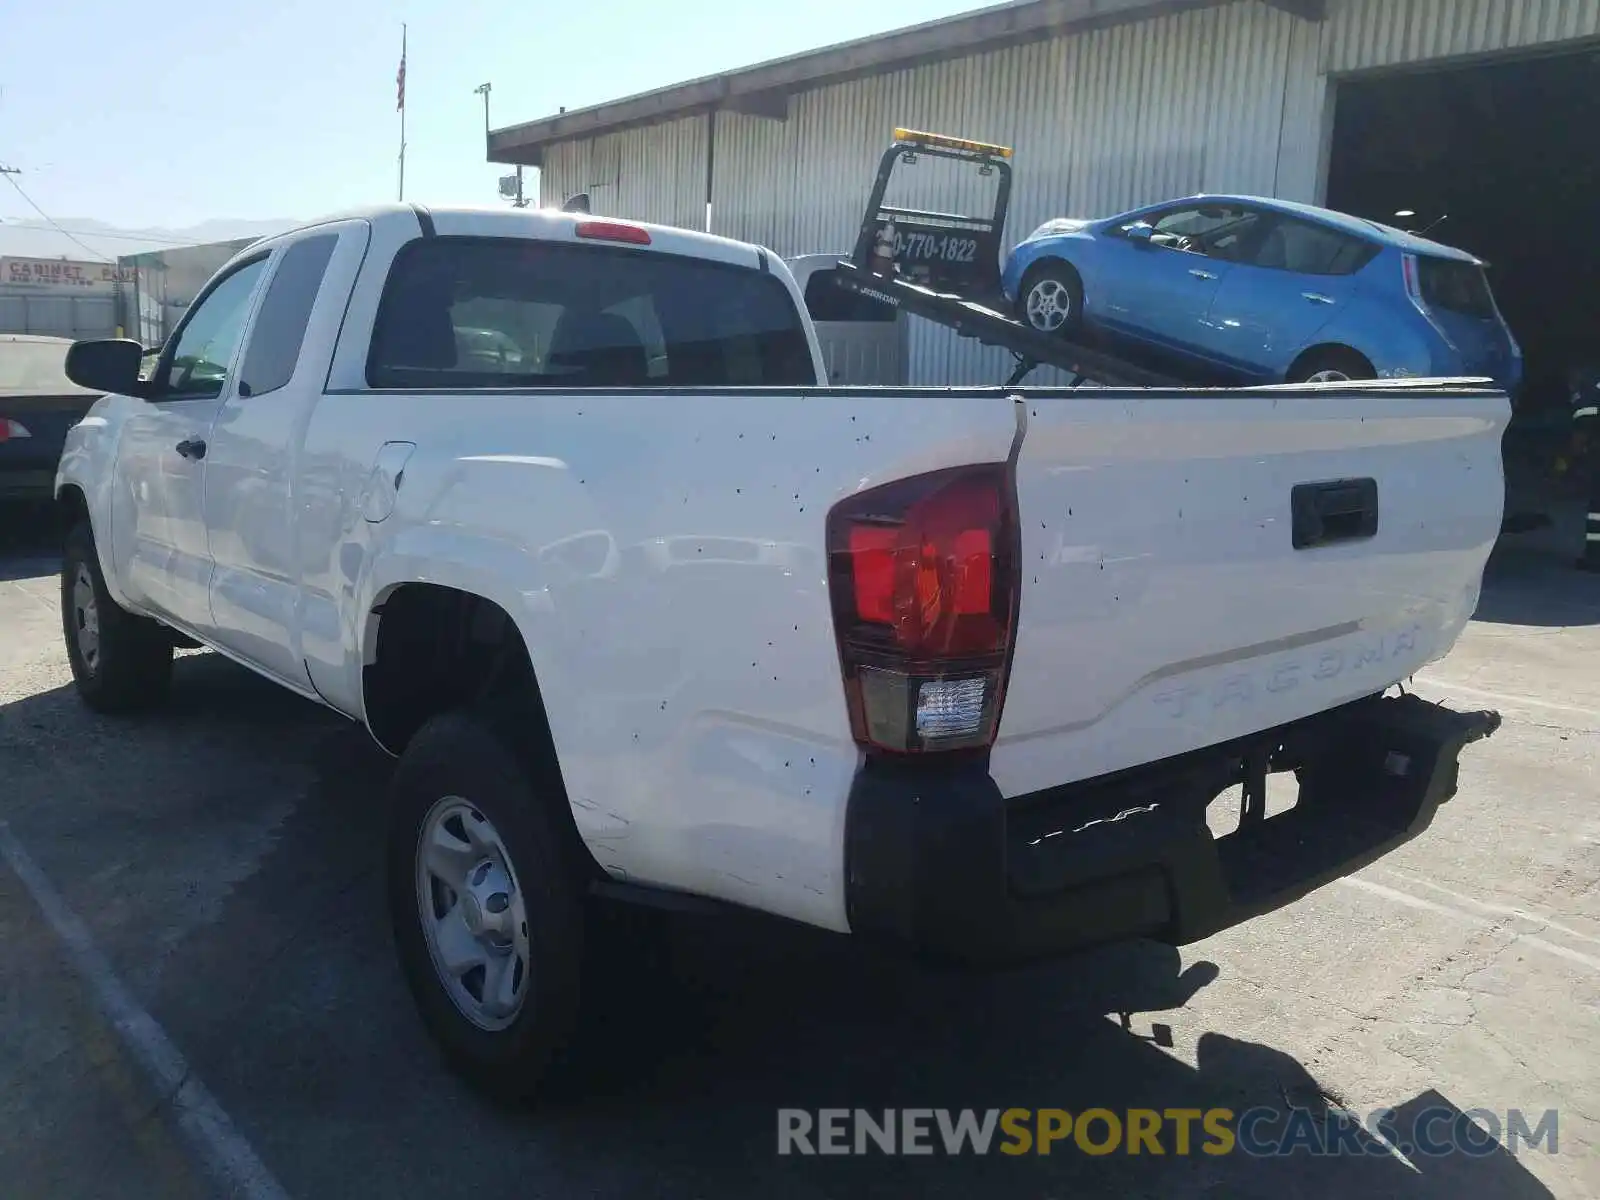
(1251, 290)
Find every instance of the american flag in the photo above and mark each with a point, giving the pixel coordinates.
(400, 75)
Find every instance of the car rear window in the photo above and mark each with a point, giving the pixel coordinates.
(38, 368)
(470, 313)
(1455, 286)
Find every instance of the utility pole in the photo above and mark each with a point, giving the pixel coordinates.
(483, 90)
(9, 171)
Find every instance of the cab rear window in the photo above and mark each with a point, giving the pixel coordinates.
(1454, 286)
(464, 313)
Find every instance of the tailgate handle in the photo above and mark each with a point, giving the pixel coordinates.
(1341, 510)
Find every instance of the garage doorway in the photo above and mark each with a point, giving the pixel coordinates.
(1502, 159)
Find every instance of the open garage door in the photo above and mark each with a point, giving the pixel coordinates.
(1500, 158)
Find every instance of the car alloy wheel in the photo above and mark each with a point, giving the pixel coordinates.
(1328, 376)
(1049, 305)
(473, 914)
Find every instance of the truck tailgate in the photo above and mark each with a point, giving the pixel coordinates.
(1169, 601)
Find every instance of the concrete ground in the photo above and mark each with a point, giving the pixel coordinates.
(223, 860)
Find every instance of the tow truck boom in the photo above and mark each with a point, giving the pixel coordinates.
(945, 268)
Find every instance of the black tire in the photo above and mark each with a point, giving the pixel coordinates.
(128, 667)
(457, 755)
(1058, 283)
(1333, 361)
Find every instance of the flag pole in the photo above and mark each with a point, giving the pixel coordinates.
(401, 99)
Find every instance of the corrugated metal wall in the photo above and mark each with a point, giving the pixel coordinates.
(1378, 33)
(653, 174)
(1231, 98)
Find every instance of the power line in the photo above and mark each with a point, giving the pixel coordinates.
(11, 178)
(121, 237)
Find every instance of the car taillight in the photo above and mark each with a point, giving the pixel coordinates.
(12, 429)
(1413, 274)
(924, 579)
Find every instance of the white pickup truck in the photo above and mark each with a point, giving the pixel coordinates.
(555, 506)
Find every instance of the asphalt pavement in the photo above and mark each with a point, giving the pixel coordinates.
(194, 936)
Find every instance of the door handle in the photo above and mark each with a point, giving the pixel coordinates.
(1318, 298)
(1341, 510)
(191, 448)
(1199, 274)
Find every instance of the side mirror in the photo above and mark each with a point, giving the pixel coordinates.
(106, 365)
(578, 203)
(1139, 233)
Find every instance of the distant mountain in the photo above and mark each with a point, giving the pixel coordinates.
(22, 237)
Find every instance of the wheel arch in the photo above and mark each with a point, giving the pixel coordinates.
(1047, 259)
(71, 504)
(1330, 350)
(430, 648)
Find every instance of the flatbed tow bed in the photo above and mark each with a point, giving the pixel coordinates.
(993, 328)
(945, 267)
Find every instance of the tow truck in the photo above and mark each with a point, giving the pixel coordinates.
(945, 268)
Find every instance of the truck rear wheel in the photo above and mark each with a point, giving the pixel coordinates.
(485, 905)
(120, 662)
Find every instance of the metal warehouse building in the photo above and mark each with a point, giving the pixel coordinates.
(1480, 112)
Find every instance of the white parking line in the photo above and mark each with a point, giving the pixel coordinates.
(1449, 685)
(1526, 939)
(227, 1156)
(1533, 918)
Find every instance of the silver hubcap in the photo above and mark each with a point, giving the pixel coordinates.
(1049, 305)
(472, 912)
(1328, 377)
(86, 618)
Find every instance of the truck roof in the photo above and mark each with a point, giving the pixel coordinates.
(545, 223)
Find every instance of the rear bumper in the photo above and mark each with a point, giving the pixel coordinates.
(27, 483)
(944, 863)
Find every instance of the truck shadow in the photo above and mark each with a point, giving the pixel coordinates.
(1534, 588)
(288, 1004)
(30, 538)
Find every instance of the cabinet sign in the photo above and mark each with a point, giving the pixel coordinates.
(60, 274)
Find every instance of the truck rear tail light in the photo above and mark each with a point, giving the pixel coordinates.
(12, 429)
(613, 231)
(923, 574)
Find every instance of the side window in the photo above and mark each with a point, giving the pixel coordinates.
(1355, 255)
(280, 325)
(1308, 249)
(210, 337)
(1222, 231)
